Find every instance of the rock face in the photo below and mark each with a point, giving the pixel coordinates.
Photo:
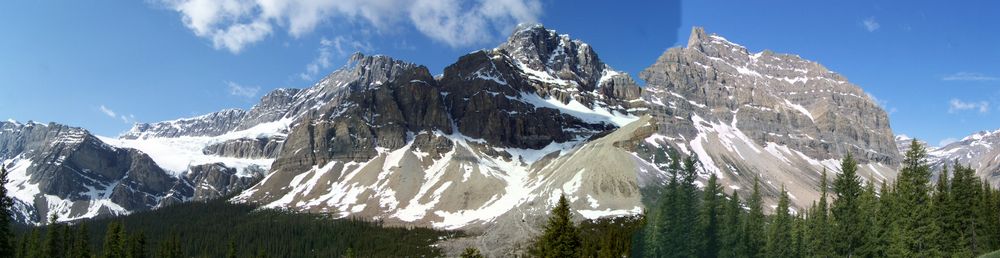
(764, 114)
(66, 171)
(979, 151)
(487, 147)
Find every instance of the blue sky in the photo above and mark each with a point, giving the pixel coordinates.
(102, 65)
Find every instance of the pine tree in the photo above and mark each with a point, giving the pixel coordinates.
(560, 238)
(798, 236)
(6, 205)
(171, 247)
(136, 246)
(81, 243)
(114, 241)
(711, 207)
(943, 206)
(35, 244)
(965, 213)
(732, 229)
(915, 231)
(663, 219)
(872, 232)
(818, 222)
(846, 221)
(471, 252)
(754, 236)
(779, 235)
(22, 246)
(54, 239)
(231, 253)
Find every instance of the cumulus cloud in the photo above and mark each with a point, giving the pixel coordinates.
(341, 46)
(111, 113)
(235, 24)
(870, 24)
(967, 76)
(238, 90)
(956, 105)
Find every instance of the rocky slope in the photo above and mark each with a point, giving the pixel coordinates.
(63, 171)
(776, 116)
(981, 151)
(489, 145)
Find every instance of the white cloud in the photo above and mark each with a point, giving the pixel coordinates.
(956, 105)
(870, 24)
(967, 76)
(108, 111)
(946, 141)
(242, 91)
(235, 24)
(111, 113)
(341, 45)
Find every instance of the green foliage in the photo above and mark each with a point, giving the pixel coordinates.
(609, 236)
(754, 236)
(847, 228)
(779, 236)
(6, 204)
(202, 229)
(709, 216)
(472, 252)
(560, 238)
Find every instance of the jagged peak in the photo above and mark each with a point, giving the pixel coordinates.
(697, 36)
(980, 135)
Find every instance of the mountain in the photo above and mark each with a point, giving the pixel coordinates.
(774, 116)
(66, 172)
(978, 151)
(490, 145)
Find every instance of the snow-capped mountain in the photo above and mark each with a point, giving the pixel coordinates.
(66, 172)
(490, 144)
(981, 151)
(776, 116)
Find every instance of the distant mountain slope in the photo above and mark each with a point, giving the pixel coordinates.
(486, 147)
(776, 116)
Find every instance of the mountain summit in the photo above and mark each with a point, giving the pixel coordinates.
(488, 147)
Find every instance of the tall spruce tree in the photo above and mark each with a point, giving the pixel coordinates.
(818, 221)
(561, 238)
(81, 243)
(6, 206)
(779, 235)
(231, 253)
(965, 224)
(914, 230)
(708, 220)
(136, 246)
(869, 213)
(54, 238)
(114, 241)
(35, 244)
(845, 210)
(754, 236)
(945, 215)
(663, 218)
(732, 229)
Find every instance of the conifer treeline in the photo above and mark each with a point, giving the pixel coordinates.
(959, 216)
(220, 229)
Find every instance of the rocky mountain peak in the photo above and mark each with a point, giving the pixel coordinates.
(544, 51)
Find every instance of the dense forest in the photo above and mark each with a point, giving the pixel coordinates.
(956, 216)
(221, 229)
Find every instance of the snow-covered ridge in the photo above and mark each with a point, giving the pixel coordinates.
(177, 154)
